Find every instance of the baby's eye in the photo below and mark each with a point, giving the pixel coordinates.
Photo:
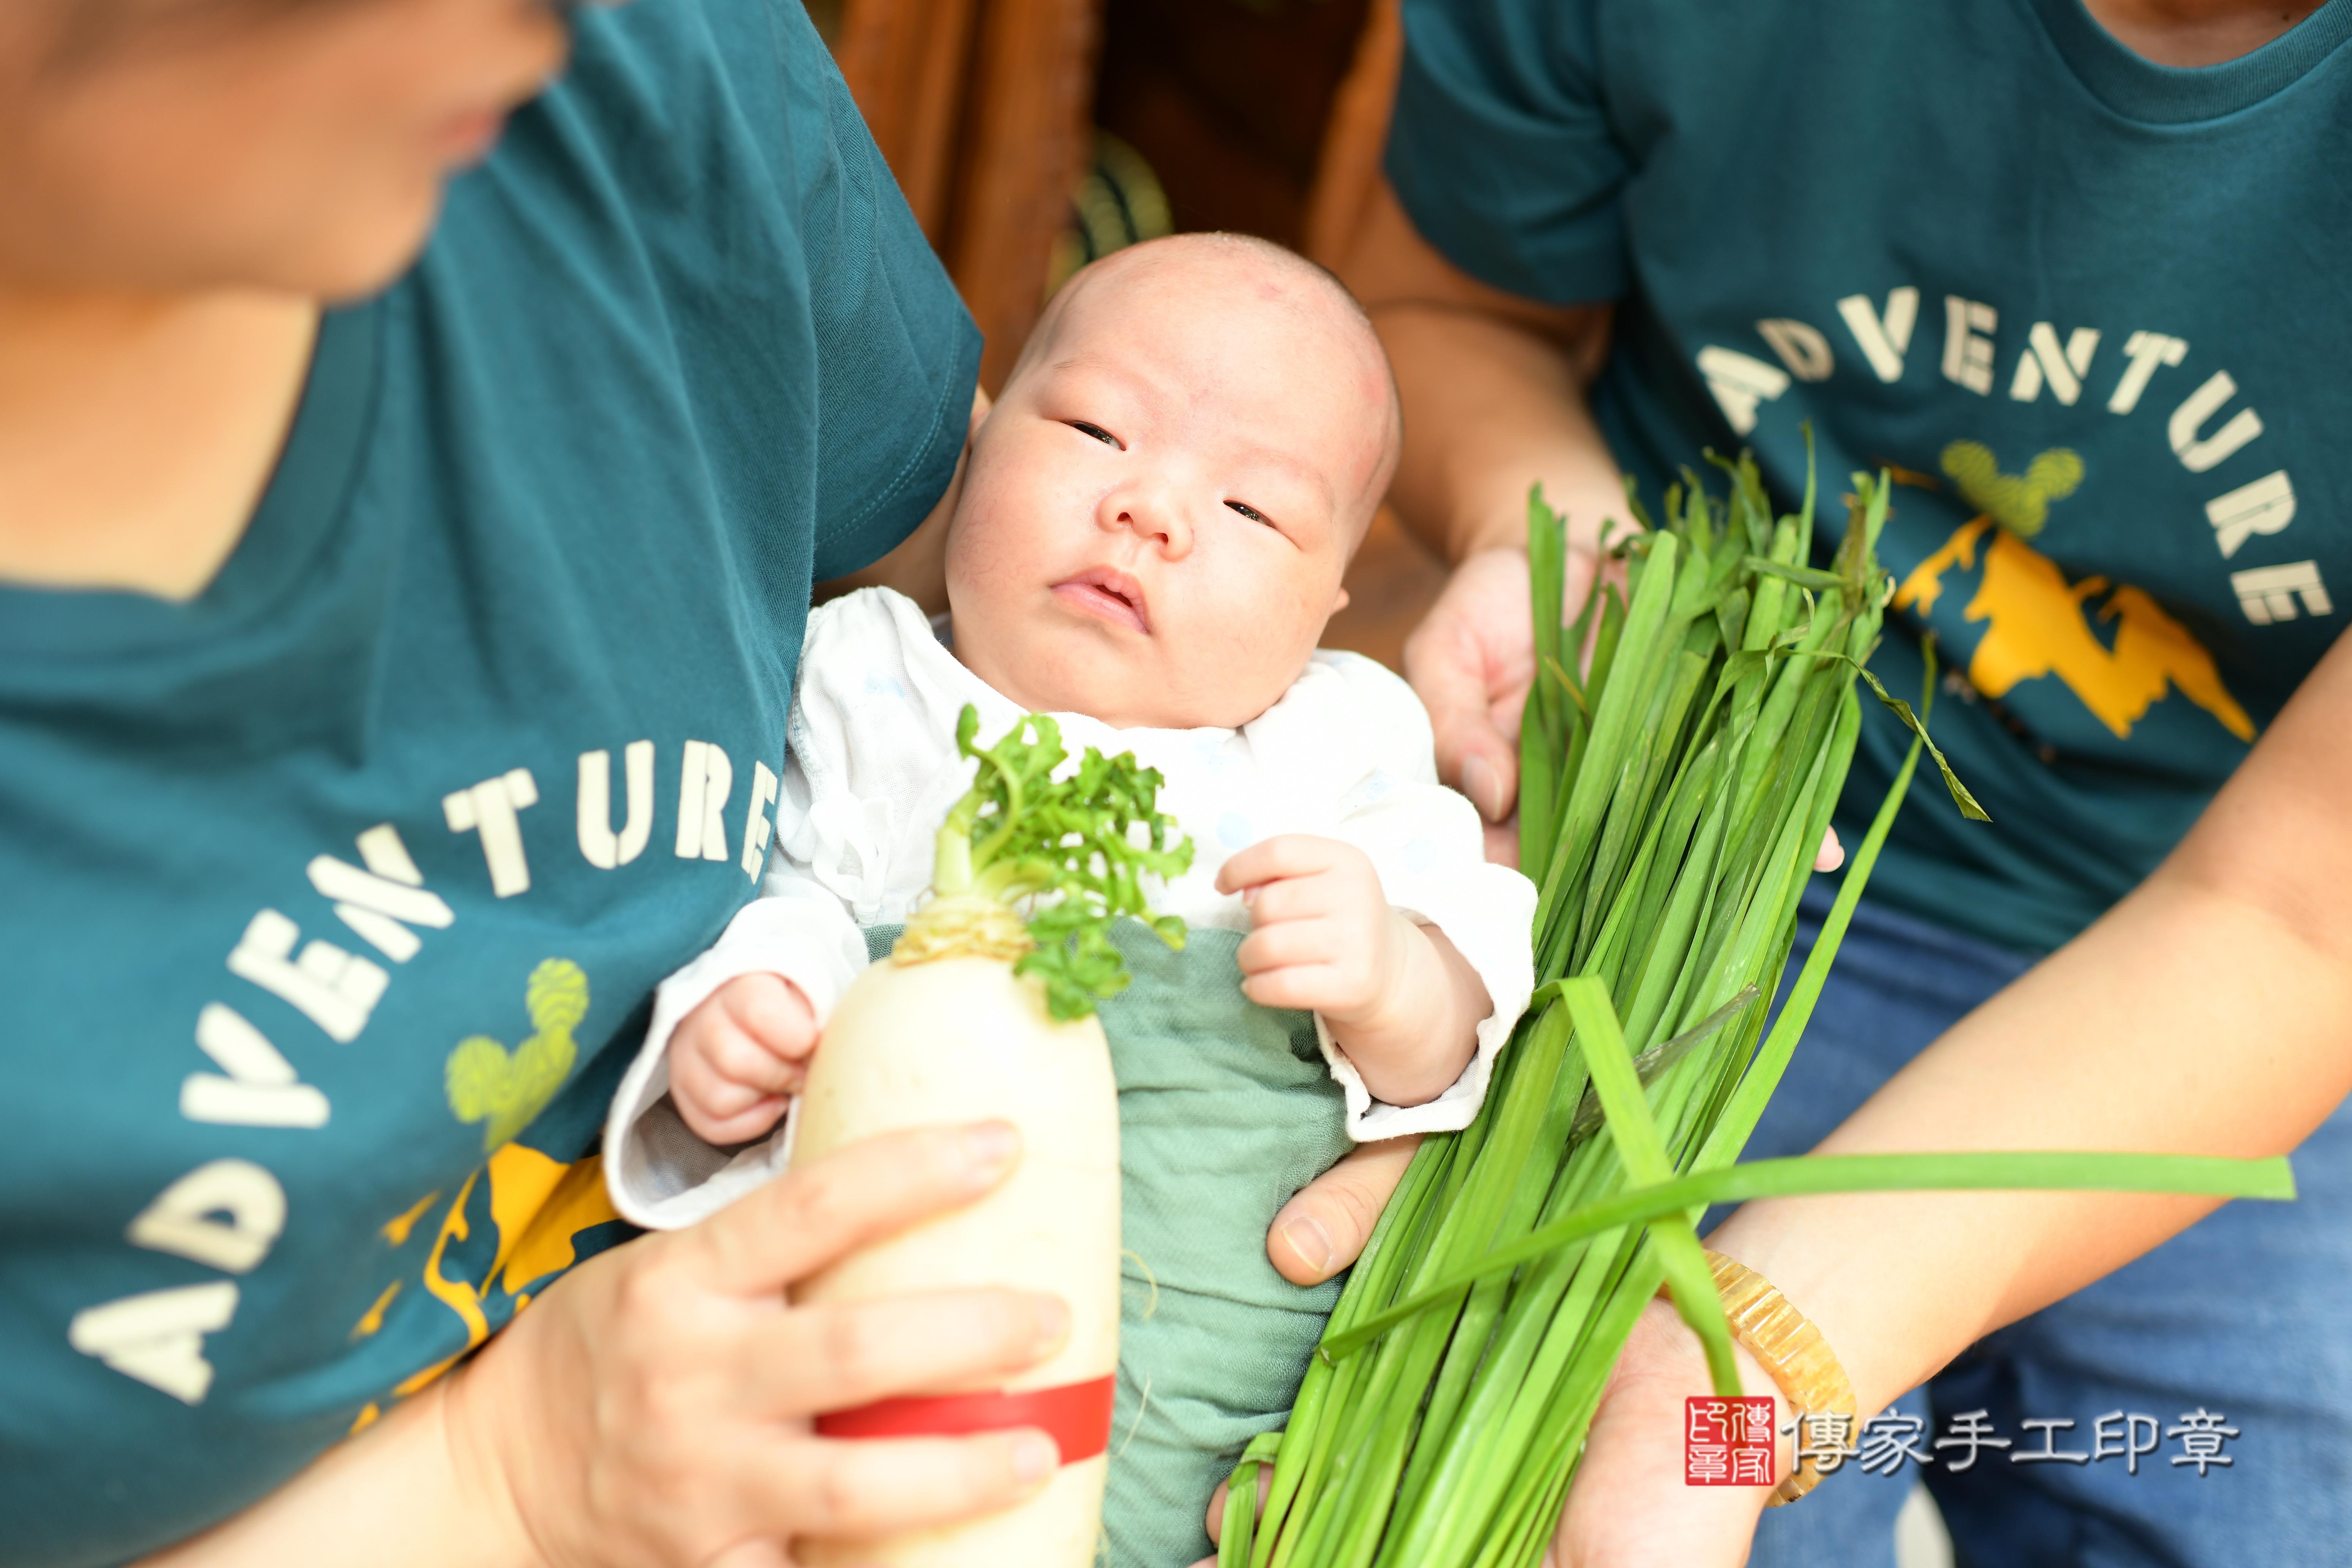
(1250, 513)
(1098, 433)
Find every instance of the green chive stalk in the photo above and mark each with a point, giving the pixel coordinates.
(1671, 805)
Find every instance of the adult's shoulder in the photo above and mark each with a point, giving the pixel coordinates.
(1503, 150)
(695, 206)
(671, 94)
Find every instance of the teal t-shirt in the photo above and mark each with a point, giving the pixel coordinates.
(334, 896)
(2091, 308)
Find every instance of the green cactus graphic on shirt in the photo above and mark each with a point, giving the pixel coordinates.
(2019, 503)
(504, 1089)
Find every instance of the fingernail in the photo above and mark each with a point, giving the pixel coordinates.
(1484, 788)
(1035, 1458)
(1309, 1243)
(990, 1147)
(1053, 1321)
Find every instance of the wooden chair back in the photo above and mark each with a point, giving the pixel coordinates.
(1347, 170)
(1393, 579)
(982, 109)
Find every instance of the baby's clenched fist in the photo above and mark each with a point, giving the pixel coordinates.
(739, 1057)
(1322, 935)
(1401, 1002)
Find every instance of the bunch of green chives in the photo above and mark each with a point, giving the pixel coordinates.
(1671, 806)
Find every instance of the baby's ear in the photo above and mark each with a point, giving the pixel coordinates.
(1341, 602)
(981, 404)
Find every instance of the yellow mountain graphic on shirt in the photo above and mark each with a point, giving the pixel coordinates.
(2037, 620)
(538, 1207)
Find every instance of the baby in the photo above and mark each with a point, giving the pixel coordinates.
(1149, 541)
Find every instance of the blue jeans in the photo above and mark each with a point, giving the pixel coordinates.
(2243, 1317)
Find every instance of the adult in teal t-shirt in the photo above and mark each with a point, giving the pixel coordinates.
(2087, 308)
(389, 697)
(2075, 277)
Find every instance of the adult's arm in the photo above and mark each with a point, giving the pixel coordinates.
(1494, 393)
(2208, 1013)
(651, 1408)
(917, 565)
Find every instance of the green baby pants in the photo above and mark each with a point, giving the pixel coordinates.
(1226, 1109)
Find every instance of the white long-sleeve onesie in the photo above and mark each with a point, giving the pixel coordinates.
(872, 770)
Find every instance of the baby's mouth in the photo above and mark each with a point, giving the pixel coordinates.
(1108, 595)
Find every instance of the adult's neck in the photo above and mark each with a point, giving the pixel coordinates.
(2198, 32)
(137, 431)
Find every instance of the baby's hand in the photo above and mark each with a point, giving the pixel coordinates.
(1402, 1001)
(1323, 935)
(736, 1058)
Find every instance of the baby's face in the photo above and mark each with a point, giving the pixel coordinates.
(1160, 508)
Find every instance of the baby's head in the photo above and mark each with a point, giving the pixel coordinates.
(1161, 506)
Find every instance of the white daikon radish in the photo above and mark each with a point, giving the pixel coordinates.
(981, 1013)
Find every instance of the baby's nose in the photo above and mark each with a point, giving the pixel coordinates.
(1156, 520)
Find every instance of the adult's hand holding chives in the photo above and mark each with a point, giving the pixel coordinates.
(2202, 1013)
(1494, 392)
(1471, 661)
(1492, 386)
(1631, 1505)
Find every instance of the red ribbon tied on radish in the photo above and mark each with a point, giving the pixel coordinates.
(1076, 1415)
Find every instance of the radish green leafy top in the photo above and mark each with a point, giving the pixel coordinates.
(1075, 850)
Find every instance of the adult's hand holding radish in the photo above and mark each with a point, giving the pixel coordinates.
(1397, 996)
(653, 1408)
(980, 1004)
